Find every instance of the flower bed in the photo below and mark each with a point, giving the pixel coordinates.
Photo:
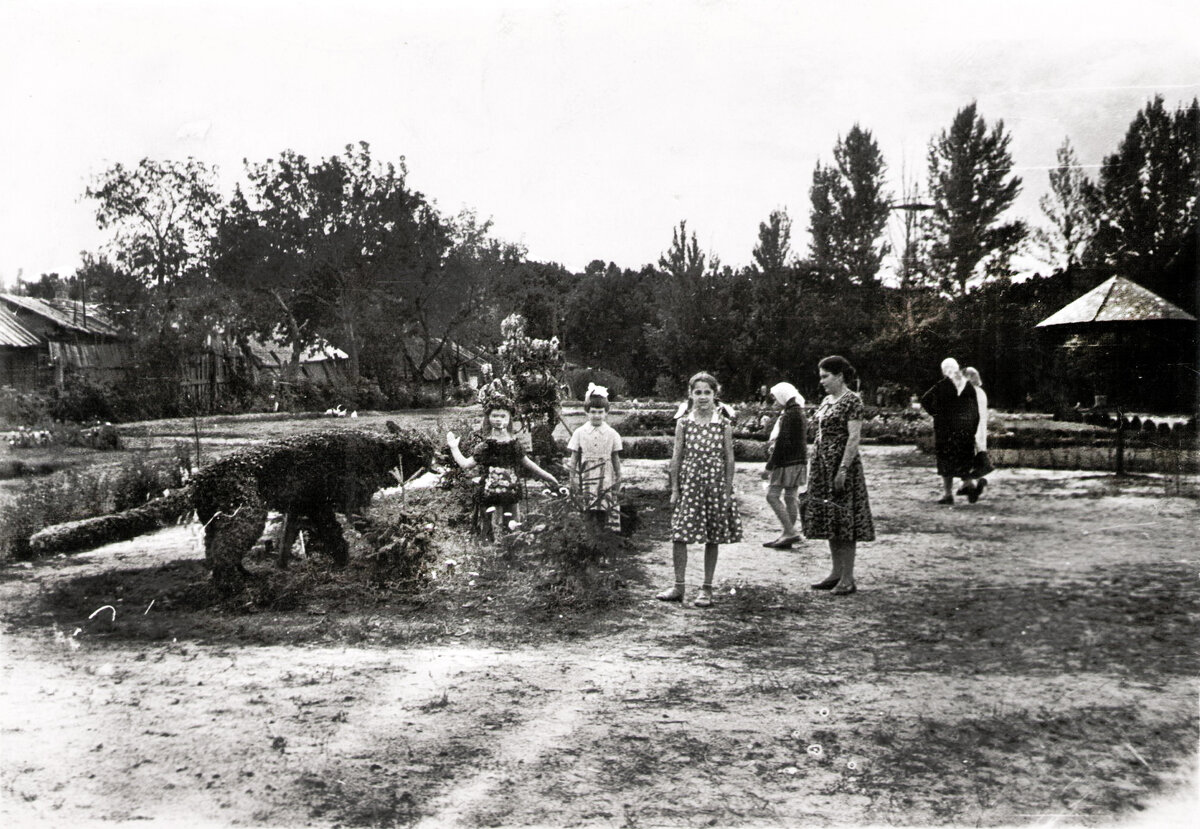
(102, 436)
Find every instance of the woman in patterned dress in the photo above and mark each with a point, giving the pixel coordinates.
(837, 507)
(702, 469)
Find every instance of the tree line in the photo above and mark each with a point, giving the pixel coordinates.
(343, 249)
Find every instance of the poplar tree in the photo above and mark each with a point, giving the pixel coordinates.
(850, 210)
(971, 185)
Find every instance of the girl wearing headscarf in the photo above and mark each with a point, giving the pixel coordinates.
(787, 463)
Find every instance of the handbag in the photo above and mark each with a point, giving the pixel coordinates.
(981, 465)
(501, 486)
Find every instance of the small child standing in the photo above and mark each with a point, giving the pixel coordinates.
(596, 461)
(702, 468)
(500, 456)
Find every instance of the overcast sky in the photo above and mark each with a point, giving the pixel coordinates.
(585, 130)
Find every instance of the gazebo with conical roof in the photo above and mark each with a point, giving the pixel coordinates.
(1125, 309)
(1116, 300)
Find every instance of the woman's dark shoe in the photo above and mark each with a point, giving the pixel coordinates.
(947, 499)
(827, 584)
(783, 543)
(974, 494)
(963, 490)
(842, 590)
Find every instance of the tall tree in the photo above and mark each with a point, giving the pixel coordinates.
(850, 209)
(679, 307)
(773, 253)
(971, 185)
(608, 313)
(342, 244)
(1147, 192)
(1070, 209)
(162, 214)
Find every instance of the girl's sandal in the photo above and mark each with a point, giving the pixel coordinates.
(671, 594)
(703, 598)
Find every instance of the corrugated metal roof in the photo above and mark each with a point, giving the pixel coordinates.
(12, 333)
(68, 313)
(1116, 300)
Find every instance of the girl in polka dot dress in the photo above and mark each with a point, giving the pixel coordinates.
(702, 469)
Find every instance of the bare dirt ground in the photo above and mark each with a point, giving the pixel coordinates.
(1029, 660)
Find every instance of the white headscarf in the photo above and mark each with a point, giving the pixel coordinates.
(785, 393)
(953, 373)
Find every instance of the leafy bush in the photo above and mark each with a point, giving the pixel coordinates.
(82, 401)
(659, 447)
(643, 423)
(23, 408)
(460, 395)
(578, 379)
(667, 387)
(400, 537)
(66, 496)
(140, 480)
(572, 562)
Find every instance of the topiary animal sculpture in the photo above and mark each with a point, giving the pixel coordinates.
(306, 477)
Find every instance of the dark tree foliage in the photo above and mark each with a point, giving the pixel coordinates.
(1146, 199)
(162, 215)
(608, 314)
(332, 246)
(850, 210)
(971, 185)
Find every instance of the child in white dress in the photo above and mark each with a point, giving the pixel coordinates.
(595, 449)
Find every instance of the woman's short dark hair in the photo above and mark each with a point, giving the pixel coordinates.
(596, 401)
(836, 364)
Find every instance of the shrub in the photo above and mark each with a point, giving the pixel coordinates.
(66, 496)
(659, 447)
(648, 423)
(461, 395)
(140, 480)
(574, 563)
(400, 540)
(23, 408)
(81, 400)
(667, 387)
(578, 379)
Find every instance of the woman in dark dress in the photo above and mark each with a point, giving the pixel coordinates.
(836, 507)
(955, 411)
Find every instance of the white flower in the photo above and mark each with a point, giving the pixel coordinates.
(815, 750)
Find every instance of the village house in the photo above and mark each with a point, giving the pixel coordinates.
(42, 341)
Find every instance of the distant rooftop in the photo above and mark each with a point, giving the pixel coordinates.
(73, 315)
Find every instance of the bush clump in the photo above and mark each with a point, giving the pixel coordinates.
(73, 496)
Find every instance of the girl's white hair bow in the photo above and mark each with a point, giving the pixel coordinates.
(599, 391)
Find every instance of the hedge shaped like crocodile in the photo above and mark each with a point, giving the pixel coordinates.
(306, 477)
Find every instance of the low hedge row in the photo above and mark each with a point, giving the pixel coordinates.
(659, 447)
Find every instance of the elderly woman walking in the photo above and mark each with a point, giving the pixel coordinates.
(955, 409)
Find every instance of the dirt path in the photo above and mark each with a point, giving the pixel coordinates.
(1028, 660)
